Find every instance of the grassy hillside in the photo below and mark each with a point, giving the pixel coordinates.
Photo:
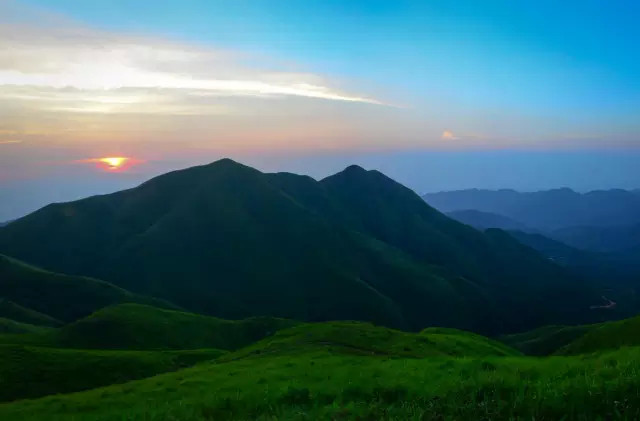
(357, 338)
(546, 340)
(31, 372)
(605, 336)
(12, 327)
(140, 327)
(56, 296)
(13, 311)
(323, 384)
(354, 246)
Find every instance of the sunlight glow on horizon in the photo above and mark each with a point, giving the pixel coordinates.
(113, 163)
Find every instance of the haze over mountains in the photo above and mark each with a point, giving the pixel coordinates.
(602, 221)
(227, 240)
(547, 210)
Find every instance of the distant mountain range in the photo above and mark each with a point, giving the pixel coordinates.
(227, 240)
(547, 210)
(484, 220)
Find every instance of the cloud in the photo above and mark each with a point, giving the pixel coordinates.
(448, 135)
(9, 141)
(71, 68)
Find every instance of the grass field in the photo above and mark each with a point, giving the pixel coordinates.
(28, 372)
(326, 383)
(309, 371)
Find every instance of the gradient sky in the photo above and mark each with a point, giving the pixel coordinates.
(440, 95)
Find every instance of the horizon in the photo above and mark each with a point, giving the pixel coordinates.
(129, 184)
(437, 96)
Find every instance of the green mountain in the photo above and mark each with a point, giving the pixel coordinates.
(227, 240)
(38, 296)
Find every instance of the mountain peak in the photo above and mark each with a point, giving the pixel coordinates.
(354, 169)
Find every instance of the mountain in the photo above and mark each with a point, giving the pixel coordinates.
(601, 239)
(227, 240)
(484, 220)
(574, 340)
(546, 340)
(13, 311)
(611, 335)
(617, 275)
(547, 210)
(38, 296)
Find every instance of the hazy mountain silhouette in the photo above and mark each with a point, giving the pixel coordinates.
(602, 239)
(547, 210)
(484, 220)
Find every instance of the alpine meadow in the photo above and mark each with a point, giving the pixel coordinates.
(276, 210)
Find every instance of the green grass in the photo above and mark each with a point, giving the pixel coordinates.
(610, 335)
(140, 327)
(8, 326)
(323, 384)
(546, 340)
(365, 339)
(30, 372)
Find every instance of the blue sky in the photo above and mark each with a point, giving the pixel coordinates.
(461, 86)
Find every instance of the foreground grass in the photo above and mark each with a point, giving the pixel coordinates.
(326, 382)
(29, 372)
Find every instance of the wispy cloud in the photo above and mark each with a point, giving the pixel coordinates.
(9, 141)
(79, 69)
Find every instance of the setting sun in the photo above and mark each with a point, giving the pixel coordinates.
(114, 163)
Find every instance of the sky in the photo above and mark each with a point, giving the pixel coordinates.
(438, 94)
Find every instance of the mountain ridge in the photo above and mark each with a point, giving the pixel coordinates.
(227, 240)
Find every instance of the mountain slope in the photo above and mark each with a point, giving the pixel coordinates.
(13, 311)
(484, 220)
(227, 240)
(606, 336)
(27, 289)
(600, 239)
(32, 372)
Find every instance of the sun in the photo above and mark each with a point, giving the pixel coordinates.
(113, 162)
